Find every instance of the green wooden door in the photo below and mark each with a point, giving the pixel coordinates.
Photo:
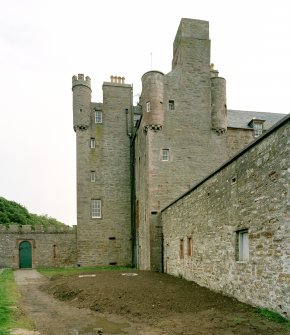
(25, 255)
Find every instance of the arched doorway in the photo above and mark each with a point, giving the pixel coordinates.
(25, 255)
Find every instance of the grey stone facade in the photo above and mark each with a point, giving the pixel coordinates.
(188, 118)
(144, 157)
(250, 193)
(183, 133)
(50, 248)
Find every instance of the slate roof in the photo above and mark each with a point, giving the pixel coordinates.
(241, 119)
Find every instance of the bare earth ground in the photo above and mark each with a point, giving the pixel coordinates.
(147, 303)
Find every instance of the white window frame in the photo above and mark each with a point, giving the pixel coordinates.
(92, 143)
(93, 176)
(148, 107)
(98, 117)
(258, 129)
(165, 155)
(96, 209)
(243, 240)
(171, 105)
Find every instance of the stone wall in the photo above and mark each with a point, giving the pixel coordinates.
(237, 139)
(50, 247)
(249, 194)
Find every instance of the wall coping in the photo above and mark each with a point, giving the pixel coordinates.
(25, 229)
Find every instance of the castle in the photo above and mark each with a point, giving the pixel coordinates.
(132, 161)
(178, 183)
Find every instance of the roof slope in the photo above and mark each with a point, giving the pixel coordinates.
(241, 119)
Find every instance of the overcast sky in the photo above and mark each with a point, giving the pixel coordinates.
(43, 43)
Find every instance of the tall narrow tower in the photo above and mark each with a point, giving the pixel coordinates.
(103, 172)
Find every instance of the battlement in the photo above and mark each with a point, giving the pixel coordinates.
(80, 79)
(25, 229)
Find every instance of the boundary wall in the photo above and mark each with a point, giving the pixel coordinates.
(50, 246)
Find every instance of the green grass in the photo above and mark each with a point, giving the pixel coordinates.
(50, 272)
(11, 316)
(273, 316)
(7, 301)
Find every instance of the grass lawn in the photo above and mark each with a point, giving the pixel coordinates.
(11, 317)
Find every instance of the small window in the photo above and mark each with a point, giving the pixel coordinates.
(93, 143)
(189, 246)
(243, 245)
(181, 249)
(171, 105)
(257, 125)
(96, 209)
(148, 107)
(165, 154)
(93, 176)
(258, 129)
(54, 251)
(98, 117)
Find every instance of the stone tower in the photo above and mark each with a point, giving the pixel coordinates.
(103, 172)
(181, 136)
(218, 102)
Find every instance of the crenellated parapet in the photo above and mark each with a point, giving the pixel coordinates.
(28, 229)
(81, 80)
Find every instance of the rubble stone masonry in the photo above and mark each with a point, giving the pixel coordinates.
(248, 194)
(50, 247)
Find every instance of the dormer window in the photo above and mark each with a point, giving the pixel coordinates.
(258, 129)
(258, 126)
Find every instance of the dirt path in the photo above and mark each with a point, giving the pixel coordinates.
(54, 317)
(134, 303)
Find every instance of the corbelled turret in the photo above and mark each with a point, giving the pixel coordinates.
(218, 102)
(152, 99)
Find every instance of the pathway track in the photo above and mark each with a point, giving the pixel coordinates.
(53, 317)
